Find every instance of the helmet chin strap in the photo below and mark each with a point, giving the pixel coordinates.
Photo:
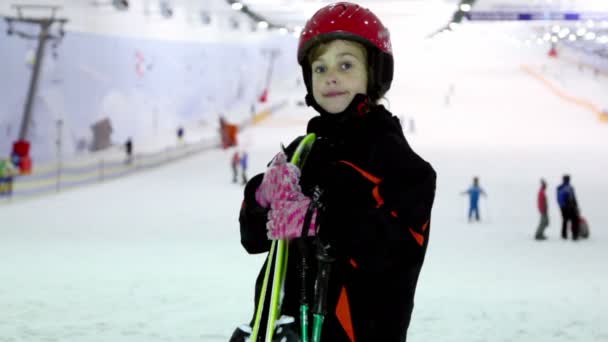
(358, 106)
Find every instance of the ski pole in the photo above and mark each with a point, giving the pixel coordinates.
(321, 286)
(302, 244)
(298, 158)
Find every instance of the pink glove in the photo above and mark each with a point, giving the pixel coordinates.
(286, 218)
(280, 190)
(281, 180)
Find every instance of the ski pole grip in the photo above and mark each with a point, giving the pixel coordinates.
(322, 281)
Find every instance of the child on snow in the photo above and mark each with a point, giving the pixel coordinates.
(7, 173)
(474, 192)
(377, 193)
(244, 163)
(543, 210)
(234, 164)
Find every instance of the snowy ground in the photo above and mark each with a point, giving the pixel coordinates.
(156, 256)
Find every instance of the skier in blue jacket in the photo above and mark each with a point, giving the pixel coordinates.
(474, 192)
(568, 207)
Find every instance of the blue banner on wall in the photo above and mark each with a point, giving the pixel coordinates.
(509, 15)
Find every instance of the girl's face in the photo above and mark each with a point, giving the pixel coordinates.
(338, 74)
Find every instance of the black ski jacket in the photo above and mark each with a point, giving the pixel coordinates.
(377, 200)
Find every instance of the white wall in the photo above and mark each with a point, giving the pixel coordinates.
(189, 71)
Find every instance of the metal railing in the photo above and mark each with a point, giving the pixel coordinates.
(63, 176)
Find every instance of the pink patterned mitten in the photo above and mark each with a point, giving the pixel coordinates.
(281, 181)
(286, 218)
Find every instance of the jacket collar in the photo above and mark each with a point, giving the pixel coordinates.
(359, 106)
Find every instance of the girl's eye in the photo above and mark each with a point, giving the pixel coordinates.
(319, 69)
(346, 65)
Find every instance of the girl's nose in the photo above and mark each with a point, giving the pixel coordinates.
(331, 80)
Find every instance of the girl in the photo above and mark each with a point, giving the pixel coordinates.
(376, 193)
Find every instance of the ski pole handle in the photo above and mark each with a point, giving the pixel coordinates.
(321, 288)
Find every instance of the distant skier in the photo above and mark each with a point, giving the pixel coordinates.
(474, 192)
(244, 162)
(234, 164)
(180, 134)
(543, 210)
(7, 172)
(129, 150)
(569, 208)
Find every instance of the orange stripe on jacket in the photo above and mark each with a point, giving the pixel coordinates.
(370, 177)
(365, 174)
(343, 314)
(419, 237)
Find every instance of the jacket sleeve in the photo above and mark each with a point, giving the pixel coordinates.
(408, 189)
(252, 219)
(393, 230)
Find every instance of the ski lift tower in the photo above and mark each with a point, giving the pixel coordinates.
(45, 23)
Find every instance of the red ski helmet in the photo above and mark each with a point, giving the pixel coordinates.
(348, 21)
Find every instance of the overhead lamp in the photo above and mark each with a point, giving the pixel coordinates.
(554, 39)
(262, 24)
(572, 37)
(465, 7)
(581, 31)
(237, 6)
(602, 40)
(590, 23)
(283, 31)
(590, 36)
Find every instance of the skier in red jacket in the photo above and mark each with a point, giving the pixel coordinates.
(543, 210)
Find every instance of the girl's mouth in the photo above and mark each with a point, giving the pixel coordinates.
(334, 93)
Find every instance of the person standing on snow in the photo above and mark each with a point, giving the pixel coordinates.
(234, 164)
(244, 162)
(7, 174)
(474, 192)
(568, 207)
(543, 210)
(376, 193)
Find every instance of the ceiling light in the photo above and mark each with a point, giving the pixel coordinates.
(237, 6)
(590, 36)
(262, 25)
(465, 7)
